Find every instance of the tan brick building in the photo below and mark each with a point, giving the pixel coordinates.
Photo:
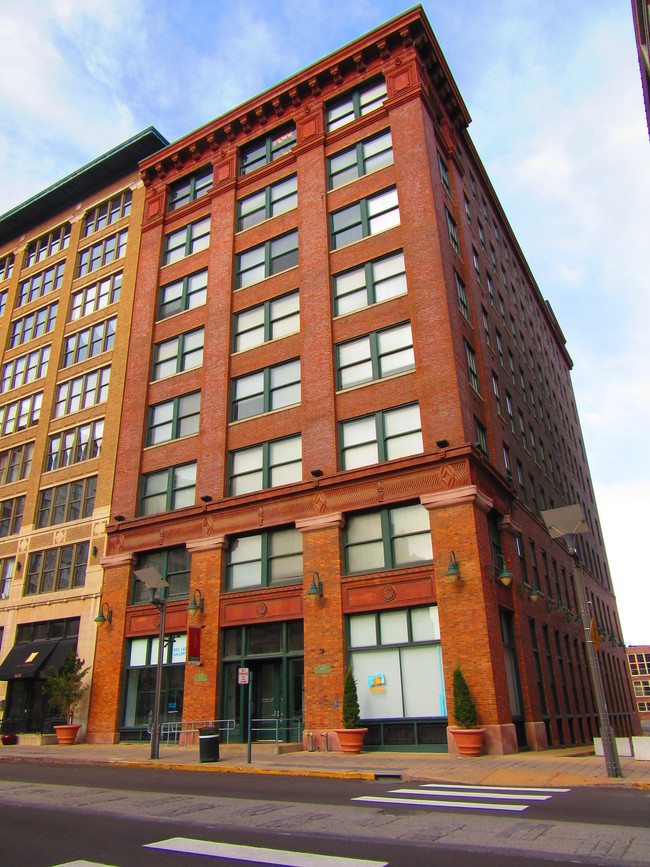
(68, 261)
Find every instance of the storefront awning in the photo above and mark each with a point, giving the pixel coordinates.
(26, 660)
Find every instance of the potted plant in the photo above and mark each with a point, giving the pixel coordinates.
(65, 688)
(352, 734)
(468, 735)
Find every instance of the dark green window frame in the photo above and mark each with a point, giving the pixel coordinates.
(11, 516)
(172, 564)
(387, 539)
(472, 369)
(452, 230)
(377, 426)
(186, 241)
(359, 219)
(344, 298)
(69, 502)
(461, 292)
(362, 158)
(272, 319)
(273, 256)
(57, 569)
(268, 202)
(181, 354)
(266, 149)
(171, 488)
(373, 362)
(267, 463)
(357, 103)
(266, 558)
(177, 414)
(186, 294)
(265, 396)
(190, 188)
(444, 177)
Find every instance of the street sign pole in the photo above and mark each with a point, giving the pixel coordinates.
(250, 688)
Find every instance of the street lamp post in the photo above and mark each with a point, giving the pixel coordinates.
(565, 523)
(154, 581)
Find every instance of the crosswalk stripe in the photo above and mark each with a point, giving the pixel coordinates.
(477, 793)
(257, 855)
(492, 788)
(425, 802)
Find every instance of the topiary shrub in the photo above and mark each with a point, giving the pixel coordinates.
(464, 708)
(65, 687)
(351, 711)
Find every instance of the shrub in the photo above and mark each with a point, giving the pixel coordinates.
(464, 708)
(351, 712)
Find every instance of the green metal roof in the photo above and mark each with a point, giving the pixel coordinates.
(101, 172)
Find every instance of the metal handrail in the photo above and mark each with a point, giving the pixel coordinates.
(188, 729)
(271, 724)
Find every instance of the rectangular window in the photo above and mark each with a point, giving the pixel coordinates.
(368, 284)
(108, 212)
(102, 253)
(452, 230)
(186, 241)
(269, 321)
(361, 159)
(486, 326)
(481, 234)
(387, 539)
(3, 301)
(506, 461)
(461, 293)
(96, 296)
(383, 436)
(89, 342)
(20, 414)
(11, 516)
(74, 445)
(472, 370)
(477, 264)
(41, 284)
(68, 502)
(468, 209)
(266, 149)
(366, 98)
(6, 574)
(266, 390)
(183, 352)
(375, 356)
(481, 436)
(174, 418)
(183, 294)
(190, 188)
(520, 481)
(57, 569)
(497, 394)
(267, 465)
(15, 463)
(33, 325)
(171, 488)
(272, 257)
(364, 218)
(264, 559)
(172, 564)
(6, 266)
(82, 392)
(47, 245)
(24, 369)
(268, 202)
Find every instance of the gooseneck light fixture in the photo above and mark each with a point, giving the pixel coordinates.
(316, 588)
(197, 603)
(105, 614)
(453, 570)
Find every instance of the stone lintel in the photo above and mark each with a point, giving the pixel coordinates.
(114, 561)
(468, 494)
(211, 543)
(321, 522)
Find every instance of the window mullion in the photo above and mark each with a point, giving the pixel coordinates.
(267, 321)
(267, 202)
(267, 389)
(175, 410)
(265, 559)
(356, 103)
(266, 470)
(365, 221)
(179, 352)
(386, 538)
(170, 483)
(374, 354)
(267, 258)
(381, 436)
(370, 284)
(360, 160)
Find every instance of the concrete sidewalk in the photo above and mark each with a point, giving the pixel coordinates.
(576, 766)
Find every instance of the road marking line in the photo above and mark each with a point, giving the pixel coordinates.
(421, 802)
(447, 793)
(492, 788)
(280, 857)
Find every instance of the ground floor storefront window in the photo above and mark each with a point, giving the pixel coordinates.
(140, 683)
(274, 655)
(397, 663)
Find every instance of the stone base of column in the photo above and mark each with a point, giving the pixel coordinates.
(102, 737)
(500, 740)
(536, 736)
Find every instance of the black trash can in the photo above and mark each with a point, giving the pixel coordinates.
(208, 745)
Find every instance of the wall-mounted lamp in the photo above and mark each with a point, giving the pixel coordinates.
(532, 592)
(453, 570)
(118, 518)
(18, 566)
(105, 614)
(197, 604)
(317, 473)
(316, 588)
(505, 576)
(206, 498)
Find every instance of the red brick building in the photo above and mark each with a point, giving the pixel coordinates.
(638, 657)
(341, 376)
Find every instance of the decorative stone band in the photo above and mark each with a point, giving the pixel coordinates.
(114, 561)
(210, 543)
(321, 522)
(468, 494)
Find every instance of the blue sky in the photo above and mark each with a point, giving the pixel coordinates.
(555, 96)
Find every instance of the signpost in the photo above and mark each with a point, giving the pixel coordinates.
(245, 678)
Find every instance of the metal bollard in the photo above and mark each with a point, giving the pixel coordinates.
(310, 742)
(325, 742)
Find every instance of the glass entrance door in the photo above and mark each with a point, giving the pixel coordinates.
(267, 700)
